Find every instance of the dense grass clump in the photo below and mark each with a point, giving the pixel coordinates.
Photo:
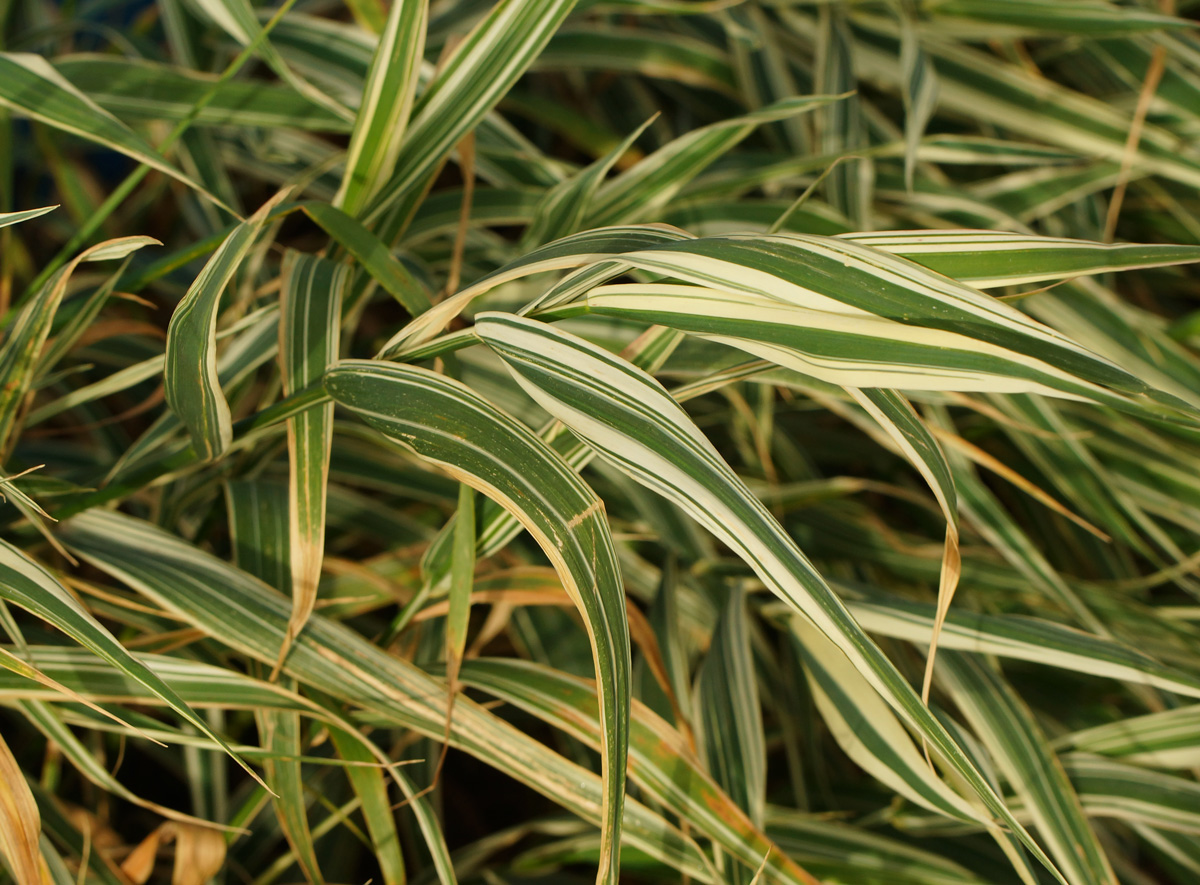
(640, 441)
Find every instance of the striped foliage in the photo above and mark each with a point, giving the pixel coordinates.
(644, 440)
(497, 456)
(190, 379)
(310, 307)
(635, 424)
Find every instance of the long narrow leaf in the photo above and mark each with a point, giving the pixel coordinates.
(453, 427)
(731, 723)
(190, 375)
(632, 421)
(309, 327)
(31, 87)
(248, 616)
(387, 101)
(1020, 750)
(29, 585)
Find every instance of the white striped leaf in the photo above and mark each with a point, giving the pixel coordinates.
(989, 90)
(1126, 792)
(26, 336)
(1115, 790)
(138, 89)
(659, 759)
(841, 852)
(46, 719)
(1122, 333)
(68, 334)
(190, 375)
(257, 342)
(387, 100)
(248, 616)
(496, 525)
(238, 19)
(1080, 18)
(665, 621)
(658, 53)
(972, 150)
(896, 416)
(842, 129)
(370, 786)
(730, 719)
(32, 88)
(847, 348)
(987, 259)
(7, 218)
(462, 582)
(1019, 748)
(259, 531)
(799, 270)
(1065, 461)
(986, 514)
(1025, 638)
(632, 421)
(1165, 739)
(920, 93)
(27, 584)
(866, 728)
(430, 826)
(333, 54)
(279, 733)
(22, 667)
(375, 258)
(309, 329)
(641, 192)
(199, 684)
(562, 209)
(569, 252)
(478, 74)
(449, 425)
(208, 685)
(1182, 852)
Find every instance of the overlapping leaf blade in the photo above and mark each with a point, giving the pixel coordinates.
(987, 259)
(190, 374)
(28, 584)
(309, 331)
(630, 420)
(481, 70)
(31, 87)
(451, 426)
(1020, 750)
(388, 94)
(732, 740)
(249, 617)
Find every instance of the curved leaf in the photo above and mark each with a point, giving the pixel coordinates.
(633, 422)
(453, 427)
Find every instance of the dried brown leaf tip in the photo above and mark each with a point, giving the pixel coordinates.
(199, 854)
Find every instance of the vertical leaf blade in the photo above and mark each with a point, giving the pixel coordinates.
(391, 84)
(309, 329)
(632, 421)
(448, 424)
(733, 742)
(1021, 751)
(190, 379)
